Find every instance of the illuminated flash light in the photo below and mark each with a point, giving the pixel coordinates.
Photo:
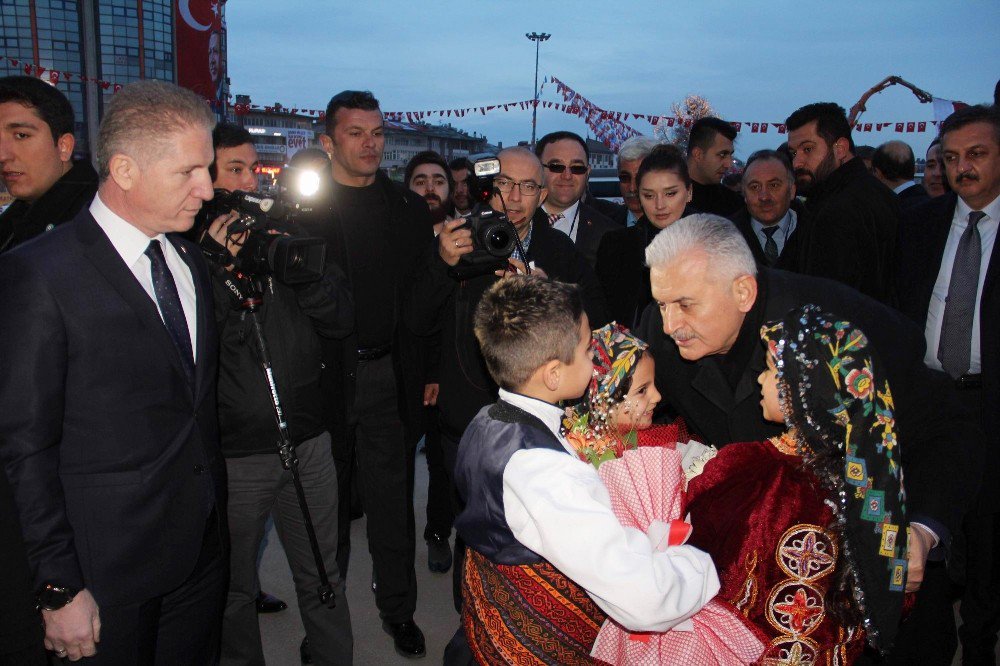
(308, 183)
(487, 167)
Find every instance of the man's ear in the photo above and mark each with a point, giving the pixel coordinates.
(327, 144)
(124, 170)
(745, 292)
(841, 150)
(65, 145)
(552, 374)
(543, 194)
(697, 153)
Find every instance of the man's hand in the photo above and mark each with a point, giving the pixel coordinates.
(920, 543)
(517, 266)
(219, 230)
(431, 394)
(73, 631)
(454, 242)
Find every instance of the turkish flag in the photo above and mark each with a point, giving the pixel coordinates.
(910, 126)
(899, 127)
(201, 48)
(922, 127)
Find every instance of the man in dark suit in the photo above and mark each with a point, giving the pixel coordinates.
(109, 430)
(36, 160)
(704, 330)
(949, 283)
(565, 157)
(771, 221)
(894, 165)
(853, 218)
(709, 156)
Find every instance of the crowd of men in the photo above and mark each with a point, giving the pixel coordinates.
(142, 381)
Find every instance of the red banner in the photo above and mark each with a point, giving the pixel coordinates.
(200, 51)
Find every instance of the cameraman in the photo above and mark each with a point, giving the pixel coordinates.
(293, 318)
(465, 385)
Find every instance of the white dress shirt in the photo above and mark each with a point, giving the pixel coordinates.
(935, 311)
(569, 223)
(131, 245)
(557, 506)
(786, 226)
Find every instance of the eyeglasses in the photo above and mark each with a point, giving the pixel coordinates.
(528, 188)
(575, 169)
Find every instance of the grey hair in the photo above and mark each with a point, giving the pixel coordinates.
(716, 236)
(637, 148)
(140, 118)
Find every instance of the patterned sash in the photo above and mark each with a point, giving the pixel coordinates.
(526, 614)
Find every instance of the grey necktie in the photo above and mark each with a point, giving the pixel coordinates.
(955, 349)
(770, 246)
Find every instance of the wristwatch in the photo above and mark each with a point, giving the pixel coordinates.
(53, 598)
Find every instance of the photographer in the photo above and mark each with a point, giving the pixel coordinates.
(465, 385)
(293, 318)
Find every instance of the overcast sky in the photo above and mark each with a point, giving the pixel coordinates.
(753, 62)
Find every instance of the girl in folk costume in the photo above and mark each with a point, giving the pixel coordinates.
(808, 529)
(643, 466)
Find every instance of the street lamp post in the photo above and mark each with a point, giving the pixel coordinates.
(537, 38)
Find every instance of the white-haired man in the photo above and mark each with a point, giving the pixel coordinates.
(711, 300)
(108, 430)
(630, 156)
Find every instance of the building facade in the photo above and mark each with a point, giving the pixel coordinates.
(404, 140)
(87, 48)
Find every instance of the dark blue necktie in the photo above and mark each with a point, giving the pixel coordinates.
(170, 306)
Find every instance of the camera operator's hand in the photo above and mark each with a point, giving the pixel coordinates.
(73, 631)
(454, 242)
(517, 266)
(219, 230)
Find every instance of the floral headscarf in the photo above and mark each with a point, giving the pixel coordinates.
(615, 353)
(835, 399)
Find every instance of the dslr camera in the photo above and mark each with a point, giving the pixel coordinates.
(494, 238)
(267, 249)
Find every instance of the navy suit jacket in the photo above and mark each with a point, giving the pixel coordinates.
(111, 452)
(922, 239)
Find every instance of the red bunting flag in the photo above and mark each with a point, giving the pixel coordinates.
(899, 127)
(921, 127)
(763, 128)
(910, 126)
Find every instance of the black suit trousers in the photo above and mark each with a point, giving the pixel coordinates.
(183, 626)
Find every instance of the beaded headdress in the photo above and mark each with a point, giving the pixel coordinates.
(839, 406)
(615, 352)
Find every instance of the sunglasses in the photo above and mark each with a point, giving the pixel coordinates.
(575, 169)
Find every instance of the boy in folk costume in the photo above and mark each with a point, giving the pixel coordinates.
(548, 560)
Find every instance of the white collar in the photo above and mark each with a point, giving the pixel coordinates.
(903, 186)
(130, 243)
(991, 209)
(549, 414)
(569, 213)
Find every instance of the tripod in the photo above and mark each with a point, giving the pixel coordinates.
(250, 300)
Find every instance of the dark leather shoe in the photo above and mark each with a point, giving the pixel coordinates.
(438, 553)
(407, 638)
(269, 604)
(305, 654)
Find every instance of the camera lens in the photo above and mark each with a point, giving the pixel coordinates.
(498, 240)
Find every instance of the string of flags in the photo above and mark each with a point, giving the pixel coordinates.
(610, 127)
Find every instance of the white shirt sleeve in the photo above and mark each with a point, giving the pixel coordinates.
(558, 507)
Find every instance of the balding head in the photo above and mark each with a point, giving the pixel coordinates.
(520, 165)
(893, 163)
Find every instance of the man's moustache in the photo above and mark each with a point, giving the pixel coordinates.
(967, 176)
